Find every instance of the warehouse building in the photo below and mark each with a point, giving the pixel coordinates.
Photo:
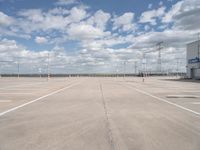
(193, 60)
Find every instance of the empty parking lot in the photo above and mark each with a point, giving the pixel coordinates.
(82, 113)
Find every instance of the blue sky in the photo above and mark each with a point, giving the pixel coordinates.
(96, 35)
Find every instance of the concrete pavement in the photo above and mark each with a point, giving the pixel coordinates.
(99, 114)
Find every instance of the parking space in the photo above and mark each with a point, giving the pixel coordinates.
(100, 114)
(186, 94)
(19, 91)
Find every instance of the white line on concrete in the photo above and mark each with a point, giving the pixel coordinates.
(196, 103)
(5, 101)
(17, 93)
(21, 85)
(182, 96)
(38, 99)
(166, 101)
(191, 91)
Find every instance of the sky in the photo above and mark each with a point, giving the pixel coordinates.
(96, 36)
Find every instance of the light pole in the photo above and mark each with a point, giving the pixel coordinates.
(18, 69)
(40, 71)
(135, 63)
(198, 46)
(48, 67)
(0, 71)
(1, 66)
(124, 69)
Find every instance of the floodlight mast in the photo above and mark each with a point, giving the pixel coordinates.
(0, 67)
(199, 45)
(135, 66)
(144, 63)
(18, 69)
(124, 69)
(48, 67)
(18, 66)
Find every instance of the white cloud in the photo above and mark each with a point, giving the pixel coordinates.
(59, 11)
(146, 27)
(5, 20)
(34, 15)
(151, 15)
(150, 6)
(85, 32)
(77, 14)
(161, 3)
(184, 15)
(66, 2)
(124, 22)
(36, 19)
(97, 45)
(13, 52)
(41, 40)
(54, 19)
(99, 19)
(172, 12)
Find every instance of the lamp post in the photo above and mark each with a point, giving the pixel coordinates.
(125, 68)
(48, 67)
(18, 69)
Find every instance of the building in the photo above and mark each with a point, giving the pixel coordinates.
(193, 60)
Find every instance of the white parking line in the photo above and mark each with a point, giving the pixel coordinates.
(191, 91)
(196, 103)
(17, 93)
(21, 85)
(5, 101)
(38, 99)
(182, 96)
(163, 100)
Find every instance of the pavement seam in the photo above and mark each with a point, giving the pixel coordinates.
(38, 99)
(108, 125)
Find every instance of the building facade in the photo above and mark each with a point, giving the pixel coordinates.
(193, 60)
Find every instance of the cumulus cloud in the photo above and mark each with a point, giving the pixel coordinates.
(31, 20)
(85, 32)
(77, 14)
(150, 6)
(151, 15)
(59, 11)
(14, 53)
(36, 19)
(5, 20)
(168, 17)
(184, 14)
(66, 2)
(124, 22)
(188, 17)
(99, 19)
(41, 40)
(100, 37)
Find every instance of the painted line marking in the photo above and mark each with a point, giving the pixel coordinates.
(191, 91)
(38, 99)
(164, 100)
(18, 93)
(182, 96)
(5, 101)
(21, 85)
(196, 103)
